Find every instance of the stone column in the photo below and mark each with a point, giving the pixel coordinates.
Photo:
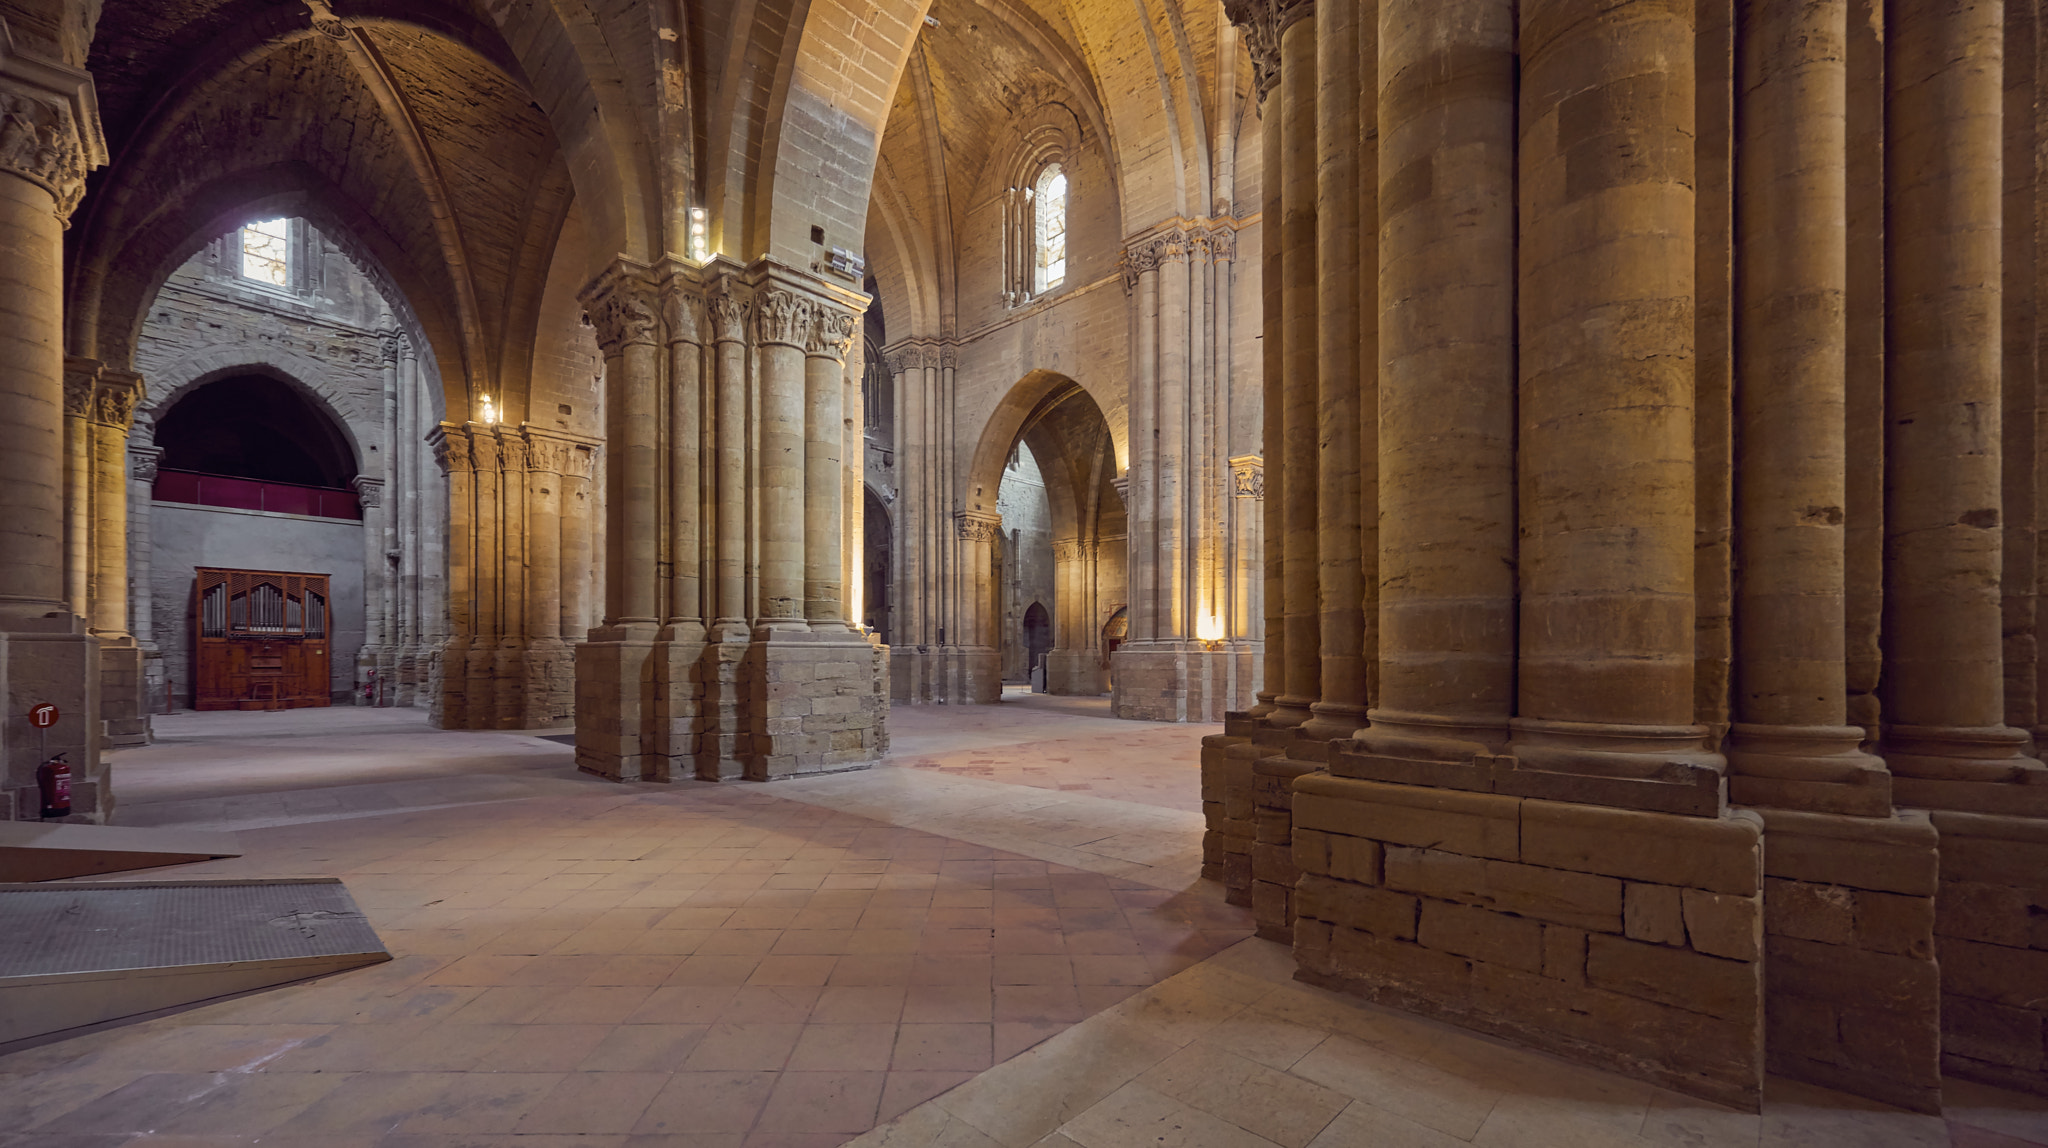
(486, 543)
(508, 663)
(683, 312)
(1340, 377)
(410, 502)
(142, 464)
(615, 668)
(370, 494)
(1141, 282)
(575, 544)
(780, 318)
(1944, 733)
(124, 715)
(1791, 745)
(449, 706)
(853, 485)
(1172, 464)
(1300, 307)
(388, 584)
(81, 380)
(1446, 454)
(828, 334)
(549, 691)
(978, 617)
(1273, 376)
(1606, 460)
(728, 313)
(49, 137)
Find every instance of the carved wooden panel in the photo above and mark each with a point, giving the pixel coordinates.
(260, 640)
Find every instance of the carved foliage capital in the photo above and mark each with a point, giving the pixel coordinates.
(683, 311)
(550, 455)
(451, 449)
(579, 461)
(143, 463)
(369, 491)
(1261, 22)
(1248, 476)
(622, 307)
(41, 141)
(81, 376)
(977, 527)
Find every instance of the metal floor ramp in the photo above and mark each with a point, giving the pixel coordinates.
(73, 955)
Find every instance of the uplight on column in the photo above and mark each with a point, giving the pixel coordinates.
(1209, 631)
(487, 411)
(700, 239)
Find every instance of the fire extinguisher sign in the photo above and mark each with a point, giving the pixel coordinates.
(43, 716)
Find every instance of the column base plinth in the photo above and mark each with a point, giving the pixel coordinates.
(448, 704)
(1332, 722)
(1418, 749)
(1817, 768)
(1076, 673)
(1664, 769)
(1980, 769)
(124, 712)
(54, 660)
(615, 685)
(815, 702)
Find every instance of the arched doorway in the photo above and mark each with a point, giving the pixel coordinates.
(254, 475)
(1036, 639)
(1048, 445)
(875, 559)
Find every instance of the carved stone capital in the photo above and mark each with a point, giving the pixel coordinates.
(394, 342)
(949, 357)
(114, 396)
(580, 461)
(727, 312)
(831, 332)
(512, 453)
(682, 310)
(81, 376)
(49, 124)
(1261, 22)
(547, 454)
(781, 317)
(1248, 476)
(1067, 549)
(622, 306)
(973, 527)
(899, 359)
(143, 462)
(369, 491)
(451, 448)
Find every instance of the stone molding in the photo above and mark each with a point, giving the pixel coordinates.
(369, 491)
(921, 355)
(977, 527)
(1248, 476)
(1071, 549)
(143, 462)
(49, 124)
(522, 449)
(622, 305)
(682, 311)
(1175, 242)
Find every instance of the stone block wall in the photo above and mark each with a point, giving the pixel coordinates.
(1625, 938)
(813, 706)
(1852, 990)
(1991, 938)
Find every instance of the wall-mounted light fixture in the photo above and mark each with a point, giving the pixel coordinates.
(487, 411)
(1209, 632)
(700, 235)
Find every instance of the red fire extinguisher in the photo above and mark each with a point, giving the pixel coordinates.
(54, 778)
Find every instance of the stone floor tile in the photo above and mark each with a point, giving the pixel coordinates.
(1365, 1126)
(587, 1102)
(1032, 969)
(1796, 1115)
(644, 1048)
(943, 1048)
(902, 1091)
(775, 1004)
(1687, 1122)
(822, 1102)
(1408, 1088)
(543, 1048)
(859, 1004)
(2014, 1114)
(947, 1004)
(1038, 1003)
(874, 969)
(242, 1102)
(595, 1004)
(707, 1103)
(1135, 1114)
(844, 1048)
(730, 942)
(714, 969)
(1017, 1103)
(1284, 1109)
(749, 1046)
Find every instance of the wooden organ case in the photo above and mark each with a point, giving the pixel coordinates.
(261, 640)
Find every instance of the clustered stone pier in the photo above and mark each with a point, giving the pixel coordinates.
(733, 434)
(1690, 724)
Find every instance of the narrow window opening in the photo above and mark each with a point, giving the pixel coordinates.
(266, 252)
(1049, 200)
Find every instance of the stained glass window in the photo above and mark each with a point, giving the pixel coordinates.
(266, 252)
